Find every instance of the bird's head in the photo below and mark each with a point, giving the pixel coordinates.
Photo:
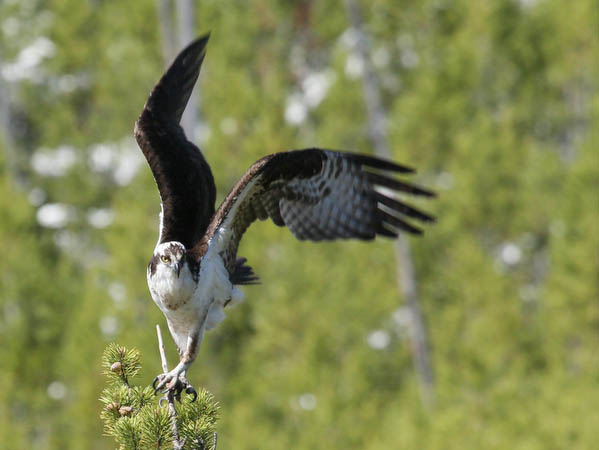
(171, 278)
(169, 256)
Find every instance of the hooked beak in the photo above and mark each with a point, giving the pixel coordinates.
(178, 269)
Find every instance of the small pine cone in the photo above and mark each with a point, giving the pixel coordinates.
(125, 410)
(112, 406)
(117, 367)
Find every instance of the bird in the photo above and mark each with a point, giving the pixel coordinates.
(318, 194)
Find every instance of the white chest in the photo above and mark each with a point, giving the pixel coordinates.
(187, 304)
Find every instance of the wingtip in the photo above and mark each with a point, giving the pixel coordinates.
(196, 48)
(200, 41)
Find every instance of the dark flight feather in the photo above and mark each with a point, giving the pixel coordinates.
(183, 176)
(319, 195)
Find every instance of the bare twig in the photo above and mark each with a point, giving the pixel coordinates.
(170, 398)
(405, 268)
(161, 349)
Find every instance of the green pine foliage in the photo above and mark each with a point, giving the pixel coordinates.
(137, 419)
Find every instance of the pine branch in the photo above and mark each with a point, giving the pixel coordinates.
(138, 420)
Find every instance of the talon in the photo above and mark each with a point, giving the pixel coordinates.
(190, 390)
(161, 380)
(173, 384)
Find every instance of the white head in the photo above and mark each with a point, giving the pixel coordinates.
(170, 275)
(168, 256)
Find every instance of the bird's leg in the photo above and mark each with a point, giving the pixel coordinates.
(175, 380)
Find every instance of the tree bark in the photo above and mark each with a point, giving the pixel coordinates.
(184, 13)
(6, 137)
(166, 29)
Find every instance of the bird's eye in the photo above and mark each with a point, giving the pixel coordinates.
(165, 259)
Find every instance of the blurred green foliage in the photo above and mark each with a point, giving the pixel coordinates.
(495, 102)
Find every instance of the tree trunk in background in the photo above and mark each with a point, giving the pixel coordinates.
(166, 29)
(405, 269)
(6, 136)
(173, 42)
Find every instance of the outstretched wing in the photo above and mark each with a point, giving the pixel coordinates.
(182, 174)
(319, 195)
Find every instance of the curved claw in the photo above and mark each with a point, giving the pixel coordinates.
(190, 390)
(161, 380)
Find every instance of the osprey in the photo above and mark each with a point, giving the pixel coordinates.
(317, 194)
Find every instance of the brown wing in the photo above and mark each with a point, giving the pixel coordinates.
(319, 195)
(182, 174)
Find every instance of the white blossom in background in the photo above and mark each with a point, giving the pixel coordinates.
(315, 87)
(100, 217)
(445, 181)
(102, 157)
(307, 401)
(37, 196)
(349, 38)
(11, 313)
(381, 57)
(54, 162)
(69, 82)
(313, 90)
(354, 66)
(11, 26)
(26, 64)
(527, 4)
(118, 293)
(408, 56)
(379, 339)
(296, 110)
(54, 215)
(130, 160)
(202, 133)
(109, 325)
(510, 254)
(403, 320)
(120, 160)
(57, 390)
(228, 126)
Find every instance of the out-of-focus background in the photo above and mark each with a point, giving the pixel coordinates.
(494, 102)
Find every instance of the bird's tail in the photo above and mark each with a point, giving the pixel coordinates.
(243, 274)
